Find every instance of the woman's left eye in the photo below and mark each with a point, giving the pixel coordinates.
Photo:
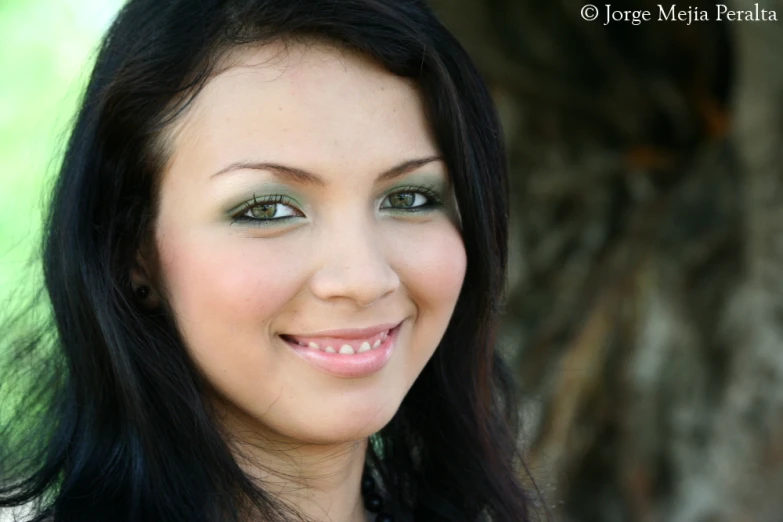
(412, 199)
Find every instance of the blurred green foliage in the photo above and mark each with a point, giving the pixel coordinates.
(46, 50)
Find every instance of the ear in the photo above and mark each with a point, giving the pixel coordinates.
(142, 282)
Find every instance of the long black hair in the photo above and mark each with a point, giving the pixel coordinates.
(112, 425)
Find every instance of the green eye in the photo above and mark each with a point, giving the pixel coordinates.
(266, 210)
(412, 199)
(404, 200)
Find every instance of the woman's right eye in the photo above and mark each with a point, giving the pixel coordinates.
(266, 210)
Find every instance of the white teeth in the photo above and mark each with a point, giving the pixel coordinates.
(346, 349)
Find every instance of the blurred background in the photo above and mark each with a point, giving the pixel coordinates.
(645, 294)
(46, 48)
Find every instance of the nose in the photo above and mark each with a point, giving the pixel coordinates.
(353, 265)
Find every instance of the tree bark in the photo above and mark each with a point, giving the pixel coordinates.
(645, 293)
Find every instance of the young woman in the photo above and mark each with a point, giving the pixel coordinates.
(274, 256)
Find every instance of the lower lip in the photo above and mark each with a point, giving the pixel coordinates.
(350, 365)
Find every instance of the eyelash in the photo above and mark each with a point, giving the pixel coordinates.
(433, 201)
(428, 191)
(240, 217)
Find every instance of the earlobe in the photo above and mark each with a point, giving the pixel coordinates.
(143, 290)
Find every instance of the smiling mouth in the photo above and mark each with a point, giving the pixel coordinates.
(347, 357)
(340, 345)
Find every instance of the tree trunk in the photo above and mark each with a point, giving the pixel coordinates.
(646, 284)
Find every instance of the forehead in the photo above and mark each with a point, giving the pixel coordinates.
(317, 106)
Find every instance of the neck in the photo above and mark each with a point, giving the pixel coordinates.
(323, 481)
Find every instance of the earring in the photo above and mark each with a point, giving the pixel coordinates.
(142, 292)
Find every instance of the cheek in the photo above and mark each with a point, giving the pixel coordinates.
(431, 264)
(225, 286)
(225, 292)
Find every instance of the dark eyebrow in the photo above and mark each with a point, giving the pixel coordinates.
(306, 178)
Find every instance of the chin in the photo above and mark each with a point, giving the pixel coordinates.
(341, 428)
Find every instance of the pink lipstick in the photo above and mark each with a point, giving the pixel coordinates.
(350, 356)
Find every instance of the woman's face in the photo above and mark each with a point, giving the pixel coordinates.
(304, 195)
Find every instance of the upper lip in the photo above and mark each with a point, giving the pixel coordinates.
(351, 333)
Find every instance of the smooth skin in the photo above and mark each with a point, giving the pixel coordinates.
(324, 244)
